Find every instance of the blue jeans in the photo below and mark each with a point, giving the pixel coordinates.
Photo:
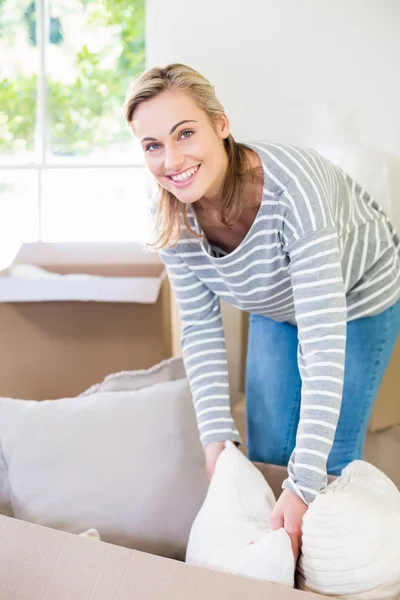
(273, 386)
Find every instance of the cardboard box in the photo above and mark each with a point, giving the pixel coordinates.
(386, 412)
(109, 310)
(58, 338)
(39, 563)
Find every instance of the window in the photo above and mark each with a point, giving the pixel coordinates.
(70, 170)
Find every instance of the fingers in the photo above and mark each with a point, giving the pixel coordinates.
(292, 529)
(212, 452)
(294, 538)
(277, 520)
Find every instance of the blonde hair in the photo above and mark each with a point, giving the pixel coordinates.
(169, 212)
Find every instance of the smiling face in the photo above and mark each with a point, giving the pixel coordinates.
(183, 149)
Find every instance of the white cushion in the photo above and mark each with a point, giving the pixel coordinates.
(91, 534)
(351, 537)
(232, 531)
(123, 458)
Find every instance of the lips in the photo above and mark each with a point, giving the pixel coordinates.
(184, 174)
(184, 178)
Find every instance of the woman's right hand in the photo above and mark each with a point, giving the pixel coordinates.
(212, 452)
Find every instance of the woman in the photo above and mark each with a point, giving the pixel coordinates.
(282, 233)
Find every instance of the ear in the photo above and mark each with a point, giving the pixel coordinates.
(223, 127)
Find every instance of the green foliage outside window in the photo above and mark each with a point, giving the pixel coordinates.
(83, 113)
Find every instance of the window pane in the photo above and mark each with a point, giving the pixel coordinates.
(19, 206)
(94, 205)
(95, 50)
(18, 70)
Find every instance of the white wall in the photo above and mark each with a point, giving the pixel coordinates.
(323, 73)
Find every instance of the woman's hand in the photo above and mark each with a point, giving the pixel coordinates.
(212, 452)
(288, 513)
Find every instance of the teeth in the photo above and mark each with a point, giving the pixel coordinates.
(185, 175)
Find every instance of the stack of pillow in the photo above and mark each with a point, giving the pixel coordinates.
(351, 532)
(123, 463)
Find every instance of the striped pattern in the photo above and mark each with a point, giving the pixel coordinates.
(320, 252)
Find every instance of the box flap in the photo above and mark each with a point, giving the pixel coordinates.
(46, 254)
(83, 272)
(39, 563)
(42, 563)
(82, 288)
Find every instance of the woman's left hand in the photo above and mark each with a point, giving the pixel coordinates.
(288, 513)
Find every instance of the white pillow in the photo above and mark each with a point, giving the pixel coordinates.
(124, 459)
(91, 534)
(232, 531)
(351, 537)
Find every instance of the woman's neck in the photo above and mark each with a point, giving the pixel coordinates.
(210, 205)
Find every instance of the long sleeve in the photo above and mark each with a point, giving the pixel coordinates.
(310, 190)
(204, 351)
(320, 309)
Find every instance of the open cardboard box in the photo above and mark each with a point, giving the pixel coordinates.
(39, 563)
(109, 309)
(64, 334)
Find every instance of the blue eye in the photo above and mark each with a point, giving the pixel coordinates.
(186, 134)
(151, 147)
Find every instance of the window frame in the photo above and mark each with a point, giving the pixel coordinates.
(39, 164)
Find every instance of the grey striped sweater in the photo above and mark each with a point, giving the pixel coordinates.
(320, 252)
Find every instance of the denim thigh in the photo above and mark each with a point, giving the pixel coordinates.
(273, 386)
(370, 344)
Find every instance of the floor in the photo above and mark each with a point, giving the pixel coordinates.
(382, 448)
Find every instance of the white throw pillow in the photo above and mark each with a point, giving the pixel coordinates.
(124, 459)
(351, 537)
(232, 531)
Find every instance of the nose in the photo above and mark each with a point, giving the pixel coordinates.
(174, 159)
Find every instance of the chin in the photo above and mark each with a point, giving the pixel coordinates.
(187, 200)
(186, 196)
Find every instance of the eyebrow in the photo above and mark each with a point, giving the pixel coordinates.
(174, 128)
